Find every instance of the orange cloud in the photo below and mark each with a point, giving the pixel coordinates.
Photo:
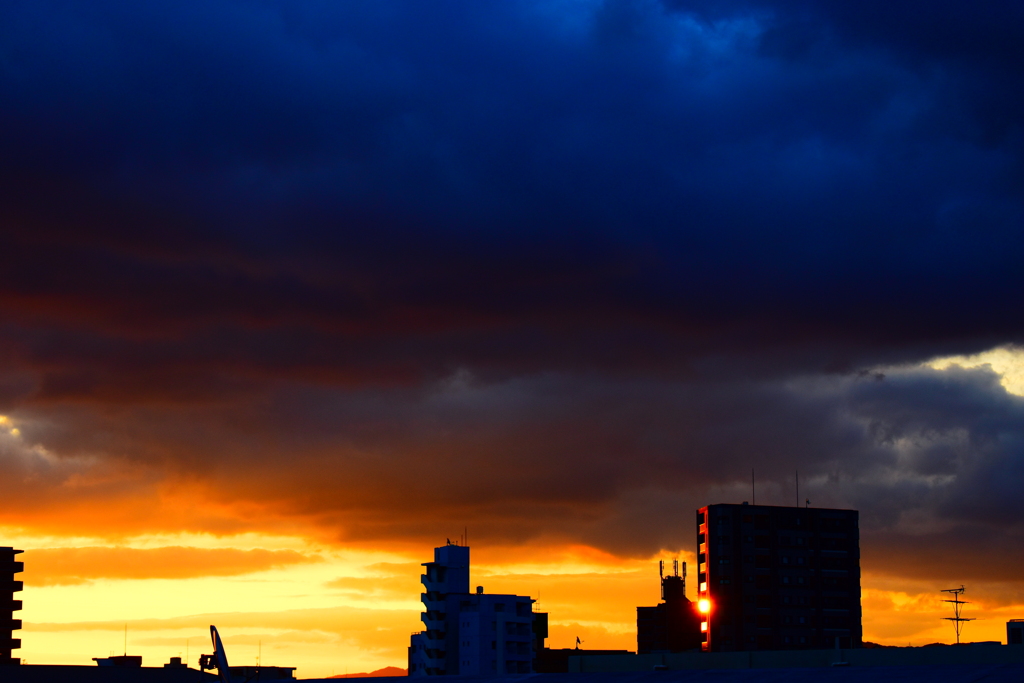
(70, 566)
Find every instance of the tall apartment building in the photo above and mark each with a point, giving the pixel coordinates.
(8, 605)
(470, 633)
(778, 578)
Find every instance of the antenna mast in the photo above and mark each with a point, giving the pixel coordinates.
(958, 621)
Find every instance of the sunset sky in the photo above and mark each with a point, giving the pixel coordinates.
(291, 292)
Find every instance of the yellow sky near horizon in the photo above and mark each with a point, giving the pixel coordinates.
(350, 610)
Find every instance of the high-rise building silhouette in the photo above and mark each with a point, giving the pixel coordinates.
(471, 633)
(8, 605)
(778, 578)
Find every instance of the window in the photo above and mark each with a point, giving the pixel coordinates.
(803, 620)
(725, 560)
(785, 560)
(700, 518)
(785, 580)
(799, 560)
(747, 519)
(724, 580)
(701, 538)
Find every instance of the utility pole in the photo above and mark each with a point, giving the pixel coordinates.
(958, 621)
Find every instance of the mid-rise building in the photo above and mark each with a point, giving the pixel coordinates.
(470, 633)
(8, 605)
(673, 625)
(778, 578)
(1015, 632)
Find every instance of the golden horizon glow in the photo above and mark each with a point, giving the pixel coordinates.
(353, 608)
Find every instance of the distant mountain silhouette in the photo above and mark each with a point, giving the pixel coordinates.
(386, 671)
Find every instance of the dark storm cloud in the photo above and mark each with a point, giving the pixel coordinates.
(469, 164)
(585, 263)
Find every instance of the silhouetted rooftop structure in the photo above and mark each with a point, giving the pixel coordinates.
(9, 566)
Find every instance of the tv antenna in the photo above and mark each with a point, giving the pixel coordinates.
(958, 621)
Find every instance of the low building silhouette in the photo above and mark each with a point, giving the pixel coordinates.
(1015, 632)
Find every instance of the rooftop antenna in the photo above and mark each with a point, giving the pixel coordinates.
(958, 621)
(675, 567)
(753, 491)
(684, 579)
(661, 569)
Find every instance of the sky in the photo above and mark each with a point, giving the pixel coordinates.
(292, 292)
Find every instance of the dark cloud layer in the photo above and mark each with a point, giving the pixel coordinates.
(562, 269)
